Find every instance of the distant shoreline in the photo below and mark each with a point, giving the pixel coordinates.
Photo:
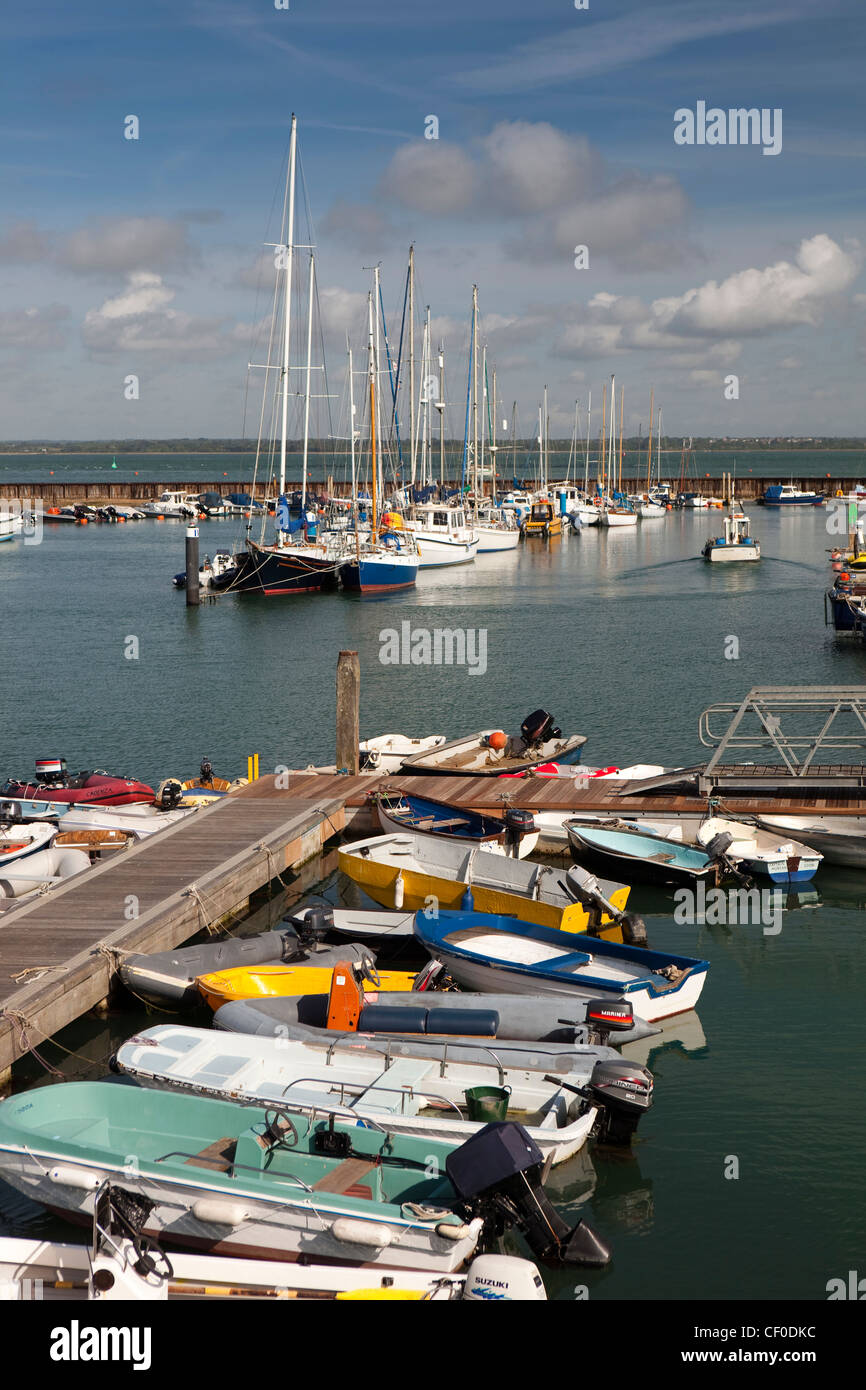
(70, 448)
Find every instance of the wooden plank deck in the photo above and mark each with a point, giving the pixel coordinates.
(547, 794)
(58, 953)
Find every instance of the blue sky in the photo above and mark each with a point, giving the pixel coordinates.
(555, 129)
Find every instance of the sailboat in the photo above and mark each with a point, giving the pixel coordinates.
(613, 513)
(496, 530)
(302, 564)
(543, 520)
(388, 560)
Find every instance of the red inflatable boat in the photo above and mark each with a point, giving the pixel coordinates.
(53, 783)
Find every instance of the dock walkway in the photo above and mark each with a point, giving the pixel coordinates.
(59, 952)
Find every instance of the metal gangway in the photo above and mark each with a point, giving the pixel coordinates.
(814, 734)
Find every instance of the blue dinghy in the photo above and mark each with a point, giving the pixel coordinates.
(515, 833)
(494, 954)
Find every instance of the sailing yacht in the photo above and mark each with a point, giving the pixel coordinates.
(295, 561)
(386, 559)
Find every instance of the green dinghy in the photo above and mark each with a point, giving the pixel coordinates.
(276, 1184)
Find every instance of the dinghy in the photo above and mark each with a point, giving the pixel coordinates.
(483, 952)
(639, 856)
(750, 850)
(840, 839)
(513, 834)
(388, 752)
(492, 752)
(54, 783)
(527, 1031)
(279, 981)
(121, 1265)
(277, 1184)
(18, 843)
(408, 870)
(41, 870)
(169, 977)
(407, 1096)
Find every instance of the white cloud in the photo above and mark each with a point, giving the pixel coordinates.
(431, 176)
(140, 320)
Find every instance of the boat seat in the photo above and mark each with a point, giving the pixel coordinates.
(572, 960)
(388, 1090)
(218, 1156)
(345, 1179)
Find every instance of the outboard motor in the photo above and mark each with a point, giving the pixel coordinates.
(517, 824)
(538, 728)
(51, 771)
(719, 844)
(497, 1176)
(623, 1091)
(206, 771)
(170, 793)
(313, 924)
(502, 1279)
(606, 1016)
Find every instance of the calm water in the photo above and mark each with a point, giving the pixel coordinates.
(622, 636)
(182, 468)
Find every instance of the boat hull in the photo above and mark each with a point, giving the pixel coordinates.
(374, 575)
(282, 571)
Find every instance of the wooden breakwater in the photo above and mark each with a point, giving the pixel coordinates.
(57, 493)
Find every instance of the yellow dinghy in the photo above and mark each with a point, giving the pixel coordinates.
(414, 872)
(274, 981)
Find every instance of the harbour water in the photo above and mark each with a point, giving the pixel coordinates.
(624, 636)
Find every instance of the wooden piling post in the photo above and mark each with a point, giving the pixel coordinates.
(348, 712)
(192, 582)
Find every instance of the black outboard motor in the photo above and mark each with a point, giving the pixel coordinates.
(517, 824)
(719, 844)
(206, 773)
(497, 1175)
(606, 1016)
(538, 728)
(313, 924)
(623, 1091)
(171, 794)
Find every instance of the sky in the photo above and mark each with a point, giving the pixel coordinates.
(727, 280)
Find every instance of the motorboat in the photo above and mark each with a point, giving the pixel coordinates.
(388, 752)
(407, 870)
(513, 833)
(543, 520)
(736, 544)
(54, 783)
(278, 1184)
(20, 841)
(492, 752)
(483, 951)
(220, 568)
(119, 1264)
(443, 534)
(496, 528)
(405, 1095)
(171, 504)
(786, 495)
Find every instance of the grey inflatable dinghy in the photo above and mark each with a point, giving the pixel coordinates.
(474, 1026)
(168, 977)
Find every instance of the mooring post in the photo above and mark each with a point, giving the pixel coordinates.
(192, 593)
(348, 712)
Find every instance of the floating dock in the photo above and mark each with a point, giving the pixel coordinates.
(60, 952)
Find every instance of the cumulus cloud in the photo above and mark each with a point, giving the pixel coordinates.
(758, 301)
(357, 225)
(705, 325)
(548, 191)
(139, 319)
(23, 243)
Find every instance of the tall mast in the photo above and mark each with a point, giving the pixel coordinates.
(659, 449)
(483, 416)
(493, 445)
(412, 357)
(425, 417)
(371, 360)
(611, 457)
(287, 308)
(541, 448)
(377, 302)
(588, 427)
(440, 406)
(309, 367)
(603, 438)
(546, 443)
(621, 411)
(475, 392)
(649, 457)
(352, 447)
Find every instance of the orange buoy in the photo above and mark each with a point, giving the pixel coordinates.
(160, 518)
(121, 518)
(82, 521)
(845, 577)
(497, 739)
